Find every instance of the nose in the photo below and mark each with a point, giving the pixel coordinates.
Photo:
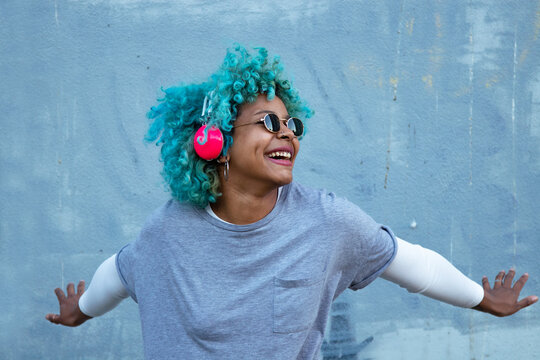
(285, 132)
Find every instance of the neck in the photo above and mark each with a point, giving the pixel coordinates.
(240, 207)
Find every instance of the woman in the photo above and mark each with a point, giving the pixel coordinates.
(243, 262)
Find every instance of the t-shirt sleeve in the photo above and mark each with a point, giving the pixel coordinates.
(366, 247)
(124, 266)
(130, 258)
(375, 258)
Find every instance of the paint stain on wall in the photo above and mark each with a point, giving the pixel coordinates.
(428, 80)
(493, 80)
(438, 25)
(434, 55)
(394, 81)
(523, 56)
(409, 25)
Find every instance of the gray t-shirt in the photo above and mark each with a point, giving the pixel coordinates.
(207, 289)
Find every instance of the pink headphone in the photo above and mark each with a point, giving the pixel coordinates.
(208, 140)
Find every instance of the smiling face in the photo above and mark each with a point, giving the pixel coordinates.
(260, 159)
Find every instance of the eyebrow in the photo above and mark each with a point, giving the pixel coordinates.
(269, 112)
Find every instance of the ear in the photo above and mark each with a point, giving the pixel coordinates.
(223, 158)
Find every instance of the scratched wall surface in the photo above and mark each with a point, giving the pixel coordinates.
(427, 116)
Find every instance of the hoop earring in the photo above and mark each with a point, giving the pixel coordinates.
(226, 170)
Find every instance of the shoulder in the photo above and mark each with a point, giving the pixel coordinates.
(171, 212)
(307, 195)
(321, 203)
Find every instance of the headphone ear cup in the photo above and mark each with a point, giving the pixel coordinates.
(208, 142)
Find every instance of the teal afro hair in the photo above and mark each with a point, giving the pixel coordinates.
(176, 118)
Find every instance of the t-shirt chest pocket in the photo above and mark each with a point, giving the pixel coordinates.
(296, 304)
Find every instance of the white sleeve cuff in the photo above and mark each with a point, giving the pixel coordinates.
(105, 290)
(424, 271)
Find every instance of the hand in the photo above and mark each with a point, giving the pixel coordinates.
(70, 314)
(502, 300)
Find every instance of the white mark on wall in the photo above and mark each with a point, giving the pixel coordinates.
(484, 340)
(66, 135)
(293, 12)
(394, 81)
(56, 12)
(73, 118)
(452, 224)
(472, 329)
(64, 217)
(471, 104)
(514, 170)
(59, 168)
(58, 175)
(451, 250)
(62, 273)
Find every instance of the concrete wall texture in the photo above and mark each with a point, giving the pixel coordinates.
(427, 117)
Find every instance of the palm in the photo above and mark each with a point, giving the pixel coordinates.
(70, 314)
(503, 298)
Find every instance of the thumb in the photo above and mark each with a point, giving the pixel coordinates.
(54, 318)
(528, 301)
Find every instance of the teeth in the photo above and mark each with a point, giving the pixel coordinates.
(283, 154)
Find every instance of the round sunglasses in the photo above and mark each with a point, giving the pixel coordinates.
(272, 123)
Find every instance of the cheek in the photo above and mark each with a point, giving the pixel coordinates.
(247, 148)
(296, 145)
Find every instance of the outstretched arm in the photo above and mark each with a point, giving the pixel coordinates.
(503, 298)
(424, 271)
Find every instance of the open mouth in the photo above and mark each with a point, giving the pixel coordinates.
(280, 155)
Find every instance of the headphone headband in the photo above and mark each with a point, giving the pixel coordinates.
(207, 105)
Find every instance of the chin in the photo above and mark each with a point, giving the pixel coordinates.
(284, 180)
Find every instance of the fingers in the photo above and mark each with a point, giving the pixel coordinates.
(80, 287)
(71, 289)
(485, 283)
(60, 295)
(521, 282)
(507, 281)
(498, 280)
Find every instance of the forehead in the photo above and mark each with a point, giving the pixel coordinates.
(262, 105)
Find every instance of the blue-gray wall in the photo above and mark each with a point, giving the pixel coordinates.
(427, 116)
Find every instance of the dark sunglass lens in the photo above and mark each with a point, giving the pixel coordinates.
(296, 126)
(271, 121)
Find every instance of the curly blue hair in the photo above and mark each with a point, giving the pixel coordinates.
(240, 79)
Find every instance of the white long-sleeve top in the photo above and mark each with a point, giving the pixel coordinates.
(414, 268)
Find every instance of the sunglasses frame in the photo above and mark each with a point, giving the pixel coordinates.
(261, 120)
